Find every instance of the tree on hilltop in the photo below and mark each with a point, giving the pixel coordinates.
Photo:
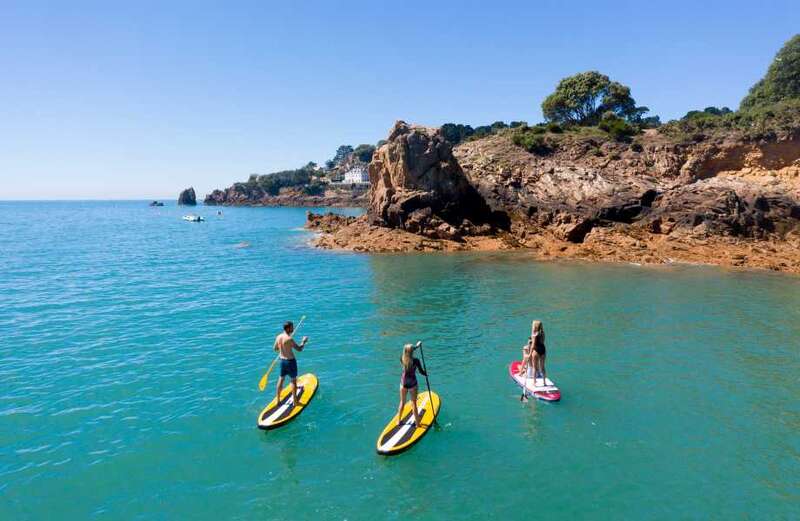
(341, 154)
(583, 98)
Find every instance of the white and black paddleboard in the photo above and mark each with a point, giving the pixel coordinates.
(540, 388)
(400, 436)
(280, 412)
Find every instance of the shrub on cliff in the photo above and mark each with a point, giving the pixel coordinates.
(707, 113)
(488, 130)
(782, 81)
(583, 98)
(456, 133)
(618, 128)
(762, 121)
(533, 140)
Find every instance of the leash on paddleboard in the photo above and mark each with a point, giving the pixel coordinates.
(427, 382)
(262, 384)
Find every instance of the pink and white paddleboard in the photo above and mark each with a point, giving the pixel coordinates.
(541, 388)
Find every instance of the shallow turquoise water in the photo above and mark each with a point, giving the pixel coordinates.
(131, 344)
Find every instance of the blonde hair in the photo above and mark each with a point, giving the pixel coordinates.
(408, 357)
(536, 327)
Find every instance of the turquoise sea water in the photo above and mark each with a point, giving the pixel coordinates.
(131, 344)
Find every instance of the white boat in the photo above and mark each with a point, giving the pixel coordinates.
(193, 218)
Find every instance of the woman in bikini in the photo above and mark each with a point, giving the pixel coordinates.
(534, 354)
(408, 381)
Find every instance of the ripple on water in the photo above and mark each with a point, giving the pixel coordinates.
(131, 344)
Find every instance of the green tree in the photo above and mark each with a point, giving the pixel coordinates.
(782, 80)
(456, 133)
(708, 112)
(650, 122)
(364, 153)
(341, 154)
(583, 98)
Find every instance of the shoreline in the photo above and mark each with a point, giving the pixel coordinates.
(606, 245)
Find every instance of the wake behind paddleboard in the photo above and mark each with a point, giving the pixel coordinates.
(543, 389)
(280, 412)
(396, 438)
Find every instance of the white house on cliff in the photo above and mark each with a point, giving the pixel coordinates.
(357, 175)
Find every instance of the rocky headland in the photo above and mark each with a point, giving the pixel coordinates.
(729, 198)
(339, 183)
(243, 195)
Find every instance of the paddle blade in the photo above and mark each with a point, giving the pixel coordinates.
(263, 382)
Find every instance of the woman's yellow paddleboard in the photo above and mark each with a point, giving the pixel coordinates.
(280, 412)
(396, 438)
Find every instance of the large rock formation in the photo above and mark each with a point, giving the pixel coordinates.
(417, 185)
(725, 200)
(187, 197)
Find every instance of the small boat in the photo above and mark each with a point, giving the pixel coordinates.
(193, 218)
(156, 203)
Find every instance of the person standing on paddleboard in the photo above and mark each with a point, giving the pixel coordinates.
(408, 381)
(534, 353)
(285, 346)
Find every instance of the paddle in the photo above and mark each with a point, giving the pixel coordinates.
(427, 382)
(262, 384)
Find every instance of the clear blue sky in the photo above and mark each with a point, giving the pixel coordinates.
(141, 99)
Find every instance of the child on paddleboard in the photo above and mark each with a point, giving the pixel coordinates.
(534, 353)
(408, 381)
(285, 346)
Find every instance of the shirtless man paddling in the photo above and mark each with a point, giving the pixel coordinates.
(284, 345)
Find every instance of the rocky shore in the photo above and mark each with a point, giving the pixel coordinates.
(728, 200)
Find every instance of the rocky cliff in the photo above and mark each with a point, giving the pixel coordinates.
(725, 200)
(723, 187)
(417, 185)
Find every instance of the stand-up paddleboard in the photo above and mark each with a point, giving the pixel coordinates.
(541, 388)
(280, 412)
(396, 438)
